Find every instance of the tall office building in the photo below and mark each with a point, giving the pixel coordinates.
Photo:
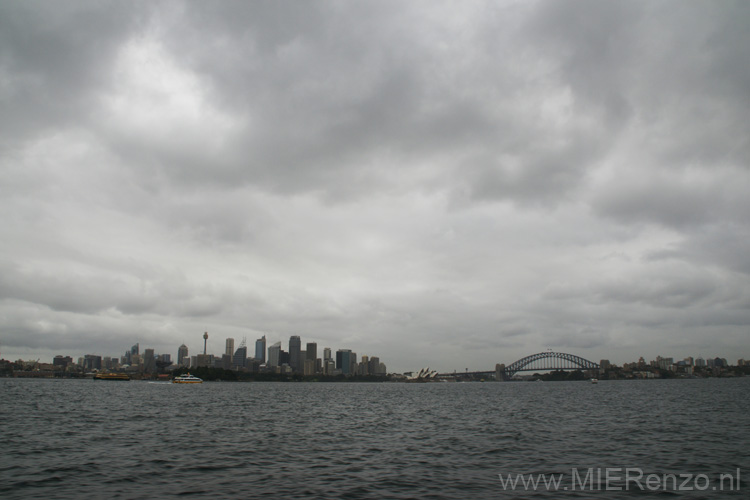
(327, 354)
(373, 365)
(240, 357)
(134, 351)
(230, 347)
(149, 361)
(295, 346)
(182, 355)
(312, 351)
(274, 352)
(260, 349)
(136, 360)
(344, 361)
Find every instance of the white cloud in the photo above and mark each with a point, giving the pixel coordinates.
(433, 185)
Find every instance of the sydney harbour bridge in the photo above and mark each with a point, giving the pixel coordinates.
(541, 361)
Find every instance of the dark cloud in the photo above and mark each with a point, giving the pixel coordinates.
(53, 59)
(434, 184)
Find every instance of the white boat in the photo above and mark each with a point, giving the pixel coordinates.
(187, 379)
(594, 381)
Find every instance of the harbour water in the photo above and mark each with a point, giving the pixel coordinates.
(84, 438)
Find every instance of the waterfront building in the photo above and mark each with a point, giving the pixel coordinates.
(92, 362)
(327, 354)
(664, 363)
(260, 349)
(499, 372)
(229, 347)
(62, 361)
(182, 355)
(274, 353)
(295, 360)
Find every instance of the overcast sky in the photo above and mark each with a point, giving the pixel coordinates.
(452, 184)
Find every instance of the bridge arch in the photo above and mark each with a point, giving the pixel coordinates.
(549, 360)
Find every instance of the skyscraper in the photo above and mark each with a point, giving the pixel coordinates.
(149, 361)
(374, 365)
(182, 355)
(260, 349)
(295, 346)
(353, 363)
(327, 354)
(230, 347)
(344, 361)
(312, 351)
(274, 352)
(134, 351)
(240, 357)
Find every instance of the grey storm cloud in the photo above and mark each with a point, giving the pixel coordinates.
(442, 183)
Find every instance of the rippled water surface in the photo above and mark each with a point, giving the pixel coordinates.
(82, 438)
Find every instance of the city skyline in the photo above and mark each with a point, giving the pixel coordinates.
(450, 184)
(335, 353)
